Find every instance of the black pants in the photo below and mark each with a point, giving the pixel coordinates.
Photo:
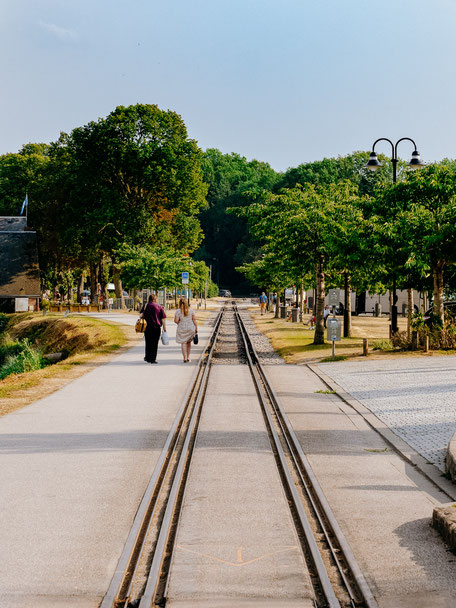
(152, 336)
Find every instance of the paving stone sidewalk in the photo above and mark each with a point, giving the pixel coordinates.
(415, 398)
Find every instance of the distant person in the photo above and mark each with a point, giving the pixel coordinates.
(311, 321)
(154, 316)
(326, 314)
(187, 327)
(263, 300)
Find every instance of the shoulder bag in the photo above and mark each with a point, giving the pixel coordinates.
(140, 326)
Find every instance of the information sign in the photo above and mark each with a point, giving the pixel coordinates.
(333, 329)
(334, 297)
(184, 278)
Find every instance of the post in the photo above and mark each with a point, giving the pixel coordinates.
(426, 344)
(365, 347)
(333, 349)
(394, 327)
(205, 295)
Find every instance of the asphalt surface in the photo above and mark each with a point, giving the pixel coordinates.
(73, 468)
(382, 503)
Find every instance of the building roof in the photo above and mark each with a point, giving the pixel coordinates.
(13, 223)
(19, 269)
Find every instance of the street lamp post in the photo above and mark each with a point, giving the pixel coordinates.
(373, 164)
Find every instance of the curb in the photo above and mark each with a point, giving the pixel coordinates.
(431, 472)
(444, 521)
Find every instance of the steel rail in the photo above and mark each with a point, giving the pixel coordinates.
(315, 493)
(156, 575)
(123, 577)
(325, 583)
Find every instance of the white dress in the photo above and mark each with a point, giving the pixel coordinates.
(185, 328)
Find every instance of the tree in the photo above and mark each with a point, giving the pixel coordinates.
(227, 242)
(298, 227)
(20, 174)
(417, 221)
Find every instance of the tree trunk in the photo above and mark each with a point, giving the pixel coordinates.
(104, 285)
(93, 282)
(409, 312)
(301, 298)
(425, 305)
(118, 285)
(319, 337)
(390, 294)
(80, 287)
(276, 314)
(347, 306)
(437, 274)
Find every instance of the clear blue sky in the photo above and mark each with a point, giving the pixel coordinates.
(284, 81)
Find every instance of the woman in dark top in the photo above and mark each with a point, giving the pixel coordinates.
(155, 317)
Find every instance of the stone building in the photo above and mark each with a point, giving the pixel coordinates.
(19, 270)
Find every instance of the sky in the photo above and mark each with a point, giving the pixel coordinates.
(282, 81)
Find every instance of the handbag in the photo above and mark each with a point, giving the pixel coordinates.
(140, 326)
(195, 339)
(164, 338)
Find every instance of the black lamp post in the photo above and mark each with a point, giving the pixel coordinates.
(373, 164)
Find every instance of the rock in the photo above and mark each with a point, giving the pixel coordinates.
(53, 357)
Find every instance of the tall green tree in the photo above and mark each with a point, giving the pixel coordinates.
(227, 242)
(416, 224)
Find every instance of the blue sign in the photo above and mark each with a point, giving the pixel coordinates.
(184, 278)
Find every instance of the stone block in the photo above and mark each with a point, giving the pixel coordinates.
(444, 521)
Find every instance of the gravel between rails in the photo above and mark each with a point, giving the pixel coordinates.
(229, 349)
(266, 354)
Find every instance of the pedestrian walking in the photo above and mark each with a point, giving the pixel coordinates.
(263, 300)
(326, 314)
(155, 316)
(187, 327)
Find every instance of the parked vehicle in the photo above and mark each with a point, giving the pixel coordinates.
(225, 293)
(449, 309)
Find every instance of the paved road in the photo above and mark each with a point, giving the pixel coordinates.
(415, 398)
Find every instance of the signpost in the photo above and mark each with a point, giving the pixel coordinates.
(185, 276)
(333, 325)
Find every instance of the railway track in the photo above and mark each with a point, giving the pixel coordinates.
(141, 576)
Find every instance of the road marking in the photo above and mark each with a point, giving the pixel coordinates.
(239, 563)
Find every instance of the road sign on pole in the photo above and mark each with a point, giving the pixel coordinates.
(184, 278)
(334, 297)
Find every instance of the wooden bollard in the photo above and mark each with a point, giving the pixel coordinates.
(365, 347)
(426, 344)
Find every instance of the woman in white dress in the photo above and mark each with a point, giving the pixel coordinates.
(186, 328)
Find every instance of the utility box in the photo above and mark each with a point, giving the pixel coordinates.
(333, 329)
(294, 315)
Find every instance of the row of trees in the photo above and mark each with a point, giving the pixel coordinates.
(116, 199)
(361, 232)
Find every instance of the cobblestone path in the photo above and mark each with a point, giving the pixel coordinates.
(415, 398)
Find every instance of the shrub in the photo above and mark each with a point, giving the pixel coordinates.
(400, 340)
(9, 349)
(3, 322)
(443, 338)
(26, 360)
(382, 345)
